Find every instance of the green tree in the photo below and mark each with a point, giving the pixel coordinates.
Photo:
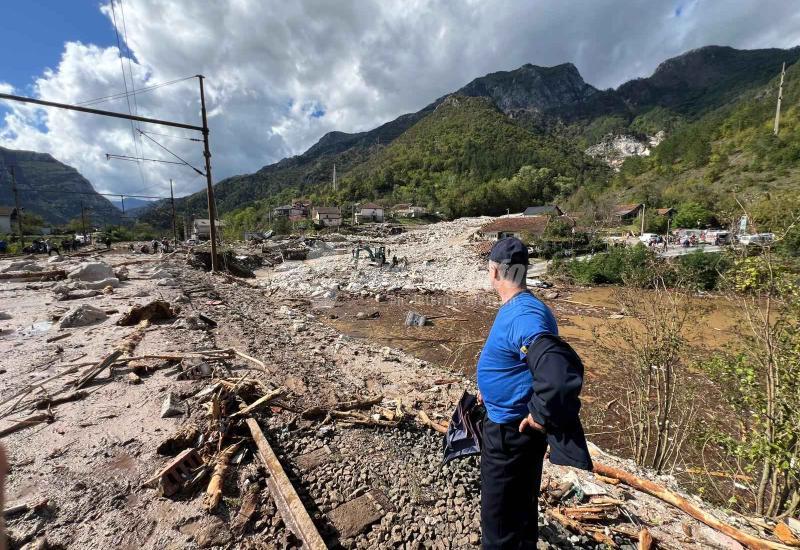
(693, 215)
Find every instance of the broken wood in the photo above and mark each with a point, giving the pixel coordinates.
(49, 402)
(425, 420)
(317, 412)
(252, 360)
(258, 403)
(645, 539)
(291, 508)
(54, 275)
(597, 534)
(653, 489)
(356, 419)
(32, 420)
(786, 535)
(59, 337)
(214, 490)
(18, 509)
(127, 346)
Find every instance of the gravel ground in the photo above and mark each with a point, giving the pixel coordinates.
(91, 462)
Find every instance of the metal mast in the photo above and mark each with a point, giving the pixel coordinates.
(780, 97)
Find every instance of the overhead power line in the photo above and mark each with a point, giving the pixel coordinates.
(120, 95)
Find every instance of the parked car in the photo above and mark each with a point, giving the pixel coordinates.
(649, 238)
(757, 239)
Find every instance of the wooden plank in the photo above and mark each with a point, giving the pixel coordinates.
(286, 499)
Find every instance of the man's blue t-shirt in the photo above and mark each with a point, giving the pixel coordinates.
(504, 379)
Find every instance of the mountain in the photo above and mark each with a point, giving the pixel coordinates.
(51, 189)
(549, 115)
(132, 204)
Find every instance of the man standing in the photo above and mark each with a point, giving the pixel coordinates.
(529, 381)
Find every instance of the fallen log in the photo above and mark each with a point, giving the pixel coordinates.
(32, 420)
(55, 275)
(317, 412)
(214, 489)
(653, 489)
(283, 493)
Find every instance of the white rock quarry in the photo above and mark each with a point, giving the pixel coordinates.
(91, 271)
(614, 149)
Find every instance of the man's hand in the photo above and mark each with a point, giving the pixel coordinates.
(529, 422)
(480, 398)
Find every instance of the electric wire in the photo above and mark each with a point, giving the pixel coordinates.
(120, 95)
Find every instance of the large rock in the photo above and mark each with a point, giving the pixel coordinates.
(82, 315)
(22, 265)
(92, 271)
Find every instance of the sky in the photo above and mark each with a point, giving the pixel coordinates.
(279, 75)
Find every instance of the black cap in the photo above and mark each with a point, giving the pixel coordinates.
(509, 251)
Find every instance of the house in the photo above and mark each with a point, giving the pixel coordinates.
(8, 219)
(409, 210)
(288, 211)
(547, 210)
(370, 212)
(201, 228)
(521, 227)
(627, 212)
(326, 216)
(668, 212)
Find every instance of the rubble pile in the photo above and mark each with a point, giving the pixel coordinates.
(437, 257)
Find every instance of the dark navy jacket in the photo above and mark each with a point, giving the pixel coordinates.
(555, 404)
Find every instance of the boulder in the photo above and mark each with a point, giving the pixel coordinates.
(92, 271)
(82, 315)
(22, 265)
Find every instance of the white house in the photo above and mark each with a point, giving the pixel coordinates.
(8, 218)
(370, 212)
(201, 228)
(327, 216)
(409, 210)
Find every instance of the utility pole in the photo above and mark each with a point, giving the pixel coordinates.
(780, 97)
(212, 207)
(643, 208)
(83, 222)
(174, 223)
(16, 206)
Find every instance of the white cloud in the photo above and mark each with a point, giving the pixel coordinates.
(272, 65)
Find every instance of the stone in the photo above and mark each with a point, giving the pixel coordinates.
(354, 517)
(172, 407)
(414, 319)
(133, 378)
(212, 534)
(4, 316)
(82, 315)
(91, 271)
(22, 265)
(167, 282)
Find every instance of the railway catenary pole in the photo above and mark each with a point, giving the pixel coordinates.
(203, 129)
(212, 207)
(17, 208)
(174, 226)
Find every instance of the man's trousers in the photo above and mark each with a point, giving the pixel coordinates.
(511, 472)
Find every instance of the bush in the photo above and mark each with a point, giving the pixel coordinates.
(701, 270)
(634, 266)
